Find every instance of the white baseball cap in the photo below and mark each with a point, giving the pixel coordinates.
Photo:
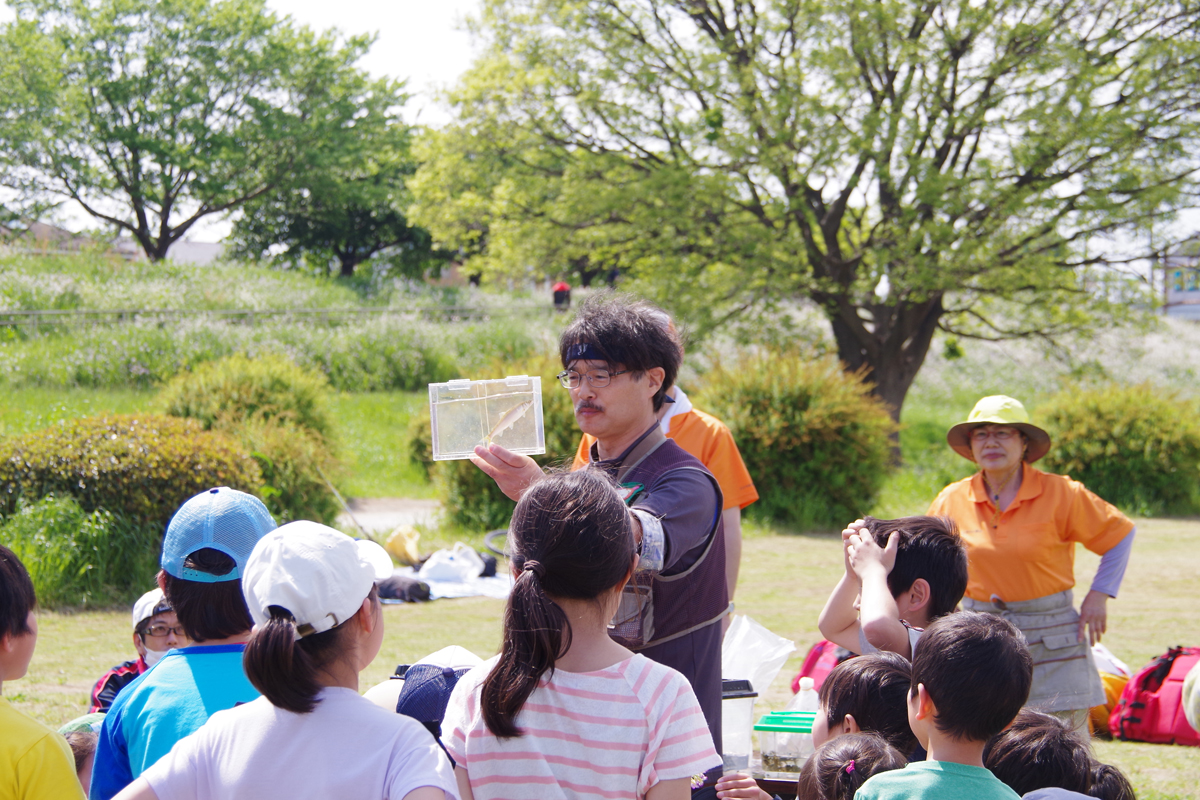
(318, 574)
(145, 606)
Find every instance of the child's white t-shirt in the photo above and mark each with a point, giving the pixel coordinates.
(914, 634)
(612, 733)
(346, 747)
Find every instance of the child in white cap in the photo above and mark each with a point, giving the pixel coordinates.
(156, 630)
(317, 624)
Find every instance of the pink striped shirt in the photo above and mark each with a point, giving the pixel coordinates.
(613, 733)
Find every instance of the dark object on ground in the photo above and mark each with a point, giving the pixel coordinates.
(490, 539)
(402, 587)
(489, 565)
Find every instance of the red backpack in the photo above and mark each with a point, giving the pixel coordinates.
(1151, 707)
(821, 659)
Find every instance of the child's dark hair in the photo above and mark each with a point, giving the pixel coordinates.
(1109, 783)
(976, 669)
(285, 668)
(570, 537)
(874, 690)
(929, 548)
(842, 765)
(17, 597)
(632, 333)
(1039, 751)
(83, 746)
(208, 611)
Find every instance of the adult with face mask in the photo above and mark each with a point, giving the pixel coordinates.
(1020, 527)
(156, 630)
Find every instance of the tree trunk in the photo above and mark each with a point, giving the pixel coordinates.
(348, 262)
(891, 351)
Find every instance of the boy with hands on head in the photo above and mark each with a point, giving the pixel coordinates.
(900, 575)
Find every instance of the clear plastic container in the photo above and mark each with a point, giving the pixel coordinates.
(785, 742)
(507, 411)
(737, 724)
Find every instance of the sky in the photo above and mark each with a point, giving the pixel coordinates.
(421, 42)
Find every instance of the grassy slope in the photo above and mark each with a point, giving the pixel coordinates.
(1156, 610)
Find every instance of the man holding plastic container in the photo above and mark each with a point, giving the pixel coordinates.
(619, 363)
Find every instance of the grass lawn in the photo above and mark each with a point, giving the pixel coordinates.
(785, 580)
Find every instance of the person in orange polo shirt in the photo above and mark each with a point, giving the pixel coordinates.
(1020, 527)
(708, 439)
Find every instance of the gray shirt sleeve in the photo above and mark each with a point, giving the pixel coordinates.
(1112, 566)
(685, 503)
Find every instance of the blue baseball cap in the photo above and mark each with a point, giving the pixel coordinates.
(223, 519)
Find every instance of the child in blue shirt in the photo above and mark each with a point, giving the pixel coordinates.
(971, 674)
(204, 554)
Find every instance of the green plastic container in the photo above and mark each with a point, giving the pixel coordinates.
(785, 741)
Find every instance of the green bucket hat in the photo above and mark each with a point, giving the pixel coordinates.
(999, 409)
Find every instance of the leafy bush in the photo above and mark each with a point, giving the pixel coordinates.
(81, 559)
(141, 467)
(1138, 447)
(280, 413)
(814, 439)
(470, 498)
(296, 469)
(228, 392)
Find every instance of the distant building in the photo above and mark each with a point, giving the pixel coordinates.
(1182, 272)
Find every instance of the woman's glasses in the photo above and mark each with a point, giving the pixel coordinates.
(981, 435)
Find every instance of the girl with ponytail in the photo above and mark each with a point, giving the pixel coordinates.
(564, 711)
(842, 765)
(318, 624)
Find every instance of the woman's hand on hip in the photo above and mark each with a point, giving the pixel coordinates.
(1093, 615)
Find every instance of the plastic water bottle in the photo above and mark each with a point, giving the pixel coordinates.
(805, 700)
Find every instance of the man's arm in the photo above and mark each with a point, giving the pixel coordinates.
(684, 505)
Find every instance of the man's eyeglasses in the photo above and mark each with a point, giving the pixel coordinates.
(981, 435)
(596, 378)
(162, 629)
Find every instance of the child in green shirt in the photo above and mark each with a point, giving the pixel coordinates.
(971, 674)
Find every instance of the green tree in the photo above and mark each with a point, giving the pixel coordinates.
(153, 114)
(350, 207)
(909, 166)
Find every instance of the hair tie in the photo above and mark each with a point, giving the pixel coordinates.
(535, 567)
(850, 767)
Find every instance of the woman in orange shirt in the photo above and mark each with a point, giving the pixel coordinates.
(1020, 527)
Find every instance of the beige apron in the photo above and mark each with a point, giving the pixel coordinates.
(1064, 675)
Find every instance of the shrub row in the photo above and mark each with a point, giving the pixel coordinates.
(76, 558)
(139, 467)
(1138, 447)
(372, 355)
(814, 439)
(280, 413)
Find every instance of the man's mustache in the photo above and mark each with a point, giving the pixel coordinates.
(587, 404)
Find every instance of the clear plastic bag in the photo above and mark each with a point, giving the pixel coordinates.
(751, 652)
